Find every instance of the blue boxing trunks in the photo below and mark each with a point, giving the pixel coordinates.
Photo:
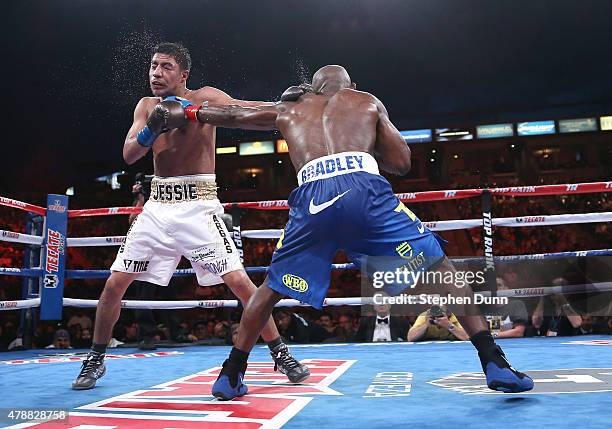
(342, 202)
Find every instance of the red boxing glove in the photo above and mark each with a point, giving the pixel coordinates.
(191, 112)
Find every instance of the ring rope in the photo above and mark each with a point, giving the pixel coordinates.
(442, 225)
(233, 303)
(100, 274)
(516, 191)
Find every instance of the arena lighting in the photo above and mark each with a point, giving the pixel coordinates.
(455, 156)
(494, 131)
(112, 179)
(70, 191)
(226, 150)
(432, 160)
(605, 122)
(433, 151)
(281, 146)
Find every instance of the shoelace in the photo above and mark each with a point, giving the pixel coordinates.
(90, 364)
(286, 359)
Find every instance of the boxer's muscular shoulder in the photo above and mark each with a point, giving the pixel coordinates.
(148, 103)
(210, 94)
(359, 99)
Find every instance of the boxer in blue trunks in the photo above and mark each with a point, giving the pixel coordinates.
(338, 138)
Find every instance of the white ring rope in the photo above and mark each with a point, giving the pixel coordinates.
(441, 225)
(18, 304)
(447, 225)
(233, 303)
(18, 237)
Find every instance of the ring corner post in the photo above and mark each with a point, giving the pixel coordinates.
(54, 260)
(487, 236)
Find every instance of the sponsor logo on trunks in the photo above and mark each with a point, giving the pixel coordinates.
(122, 248)
(414, 263)
(10, 234)
(571, 380)
(55, 248)
(187, 402)
(178, 192)
(295, 283)
(401, 208)
(50, 281)
(202, 254)
(316, 208)
(216, 267)
(136, 266)
(337, 164)
(226, 242)
(404, 249)
(57, 206)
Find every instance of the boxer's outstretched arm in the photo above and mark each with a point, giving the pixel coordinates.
(132, 151)
(233, 116)
(391, 150)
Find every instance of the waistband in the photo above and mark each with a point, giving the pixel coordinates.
(337, 164)
(178, 189)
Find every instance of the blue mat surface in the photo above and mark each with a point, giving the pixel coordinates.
(389, 385)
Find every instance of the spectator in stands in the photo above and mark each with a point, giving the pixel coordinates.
(61, 340)
(326, 321)
(294, 328)
(506, 320)
(9, 334)
(222, 332)
(346, 329)
(382, 326)
(80, 318)
(554, 315)
(437, 323)
(200, 331)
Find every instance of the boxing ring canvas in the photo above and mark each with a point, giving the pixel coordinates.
(372, 385)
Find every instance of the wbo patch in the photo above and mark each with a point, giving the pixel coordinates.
(295, 283)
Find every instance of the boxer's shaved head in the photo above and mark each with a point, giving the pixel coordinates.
(331, 78)
(176, 51)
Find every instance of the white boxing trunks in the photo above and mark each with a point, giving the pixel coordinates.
(181, 218)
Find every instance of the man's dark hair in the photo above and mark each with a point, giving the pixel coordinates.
(176, 51)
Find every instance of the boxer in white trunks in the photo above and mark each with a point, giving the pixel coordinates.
(182, 216)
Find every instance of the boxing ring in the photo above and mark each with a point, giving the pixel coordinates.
(353, 385)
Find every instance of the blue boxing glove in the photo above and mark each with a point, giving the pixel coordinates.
(184, 102)
(167, 115)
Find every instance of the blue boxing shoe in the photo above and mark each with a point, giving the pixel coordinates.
(229, 384)
(500, 374)
(507, 379)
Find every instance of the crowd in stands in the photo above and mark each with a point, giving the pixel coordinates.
(219, 326)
